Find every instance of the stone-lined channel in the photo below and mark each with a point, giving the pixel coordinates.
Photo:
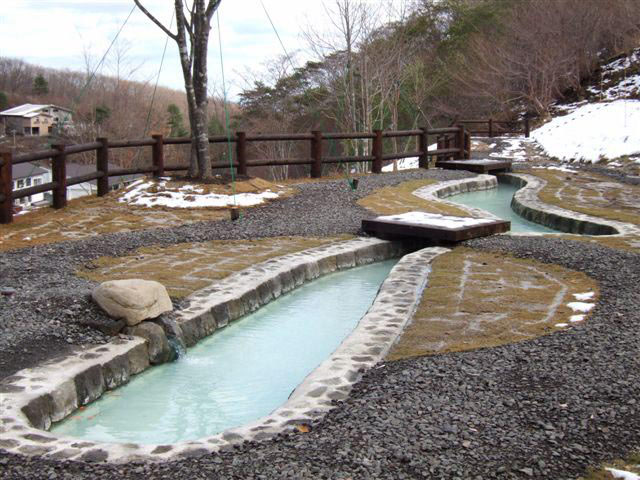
(239, 374)
(498, 202)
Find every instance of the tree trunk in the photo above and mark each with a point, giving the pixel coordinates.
(192, 39)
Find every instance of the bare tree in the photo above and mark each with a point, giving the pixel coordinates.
(192, 38)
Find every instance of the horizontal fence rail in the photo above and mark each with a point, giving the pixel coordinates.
(452, 142)
(493, 128)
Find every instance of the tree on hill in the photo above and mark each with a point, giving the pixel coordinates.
(176, 122)
(40, 85)
(192, 38)
(4, 101)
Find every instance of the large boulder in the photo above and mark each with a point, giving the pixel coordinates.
(134, 300)
(157, 343)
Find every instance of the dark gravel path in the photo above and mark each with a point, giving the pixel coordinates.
(50, 310)
(545, 408)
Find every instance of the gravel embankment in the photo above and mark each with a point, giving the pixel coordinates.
(544, 408)
(49, 312)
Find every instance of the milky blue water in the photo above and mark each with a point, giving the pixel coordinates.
(498, 202)
(240, 373)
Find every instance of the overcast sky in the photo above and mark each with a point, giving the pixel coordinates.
(54, 33)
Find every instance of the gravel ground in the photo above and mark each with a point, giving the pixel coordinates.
(544, 408)
(51, 309)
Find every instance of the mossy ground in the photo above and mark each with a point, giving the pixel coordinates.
(187, 267)
(591, 194)
(595, 195)
(400, 199)
(476, 299)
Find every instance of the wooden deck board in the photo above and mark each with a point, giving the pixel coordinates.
(389, 229)
(476, 166)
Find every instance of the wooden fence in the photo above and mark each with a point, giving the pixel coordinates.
(456, 139)
(493, 128)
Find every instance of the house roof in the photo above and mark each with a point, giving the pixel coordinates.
(29, 108)
(37, 114)
(24, 170)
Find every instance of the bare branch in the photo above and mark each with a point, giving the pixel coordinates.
(211, 8)
(155, 20)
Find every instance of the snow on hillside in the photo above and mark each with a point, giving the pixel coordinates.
(593, 131)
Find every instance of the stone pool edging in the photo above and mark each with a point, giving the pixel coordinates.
(32, 398)
(527, 204)
(439, 191)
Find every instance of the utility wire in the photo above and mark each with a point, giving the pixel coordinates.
(155, 88)
(226, 113)
(277, 35)
(93, 74)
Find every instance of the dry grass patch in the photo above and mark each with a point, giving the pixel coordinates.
(187, 267)
(90, 216)
(400, 199)
(479, 299)
(591, 194)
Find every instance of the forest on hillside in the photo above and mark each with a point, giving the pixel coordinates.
(435, 62)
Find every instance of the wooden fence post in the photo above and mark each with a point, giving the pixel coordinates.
(158, 155)
(527, 130)
(467, 145)
(241, 152)
(423, 146)
(6, 187)
(490, 127)
(316, 154)
(447, 144)
(377, 152)
(102, 165)
(59, 176)
(460, 141)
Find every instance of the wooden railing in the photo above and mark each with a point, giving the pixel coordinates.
(454, 140)
(494, 128)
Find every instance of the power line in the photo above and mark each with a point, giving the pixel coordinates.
(277, 35)
(155, 88)
(226, 112)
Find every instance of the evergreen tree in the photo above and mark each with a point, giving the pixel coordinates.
(176, 122)
(4, 101)
(102, 112)
(40, 85)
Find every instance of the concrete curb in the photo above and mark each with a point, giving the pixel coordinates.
(436, 193)
(33, 398)
(527, 204)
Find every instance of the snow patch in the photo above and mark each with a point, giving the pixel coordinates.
(511, 148)
(584, 296)
(436, 220)
(580, 306)
(562, 325)
(407, 163)
(592, 132)
(576, 318)
(189, 196)
(623, 474)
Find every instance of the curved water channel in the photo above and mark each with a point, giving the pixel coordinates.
(498, 202)
(239, 374)
(248, 369)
